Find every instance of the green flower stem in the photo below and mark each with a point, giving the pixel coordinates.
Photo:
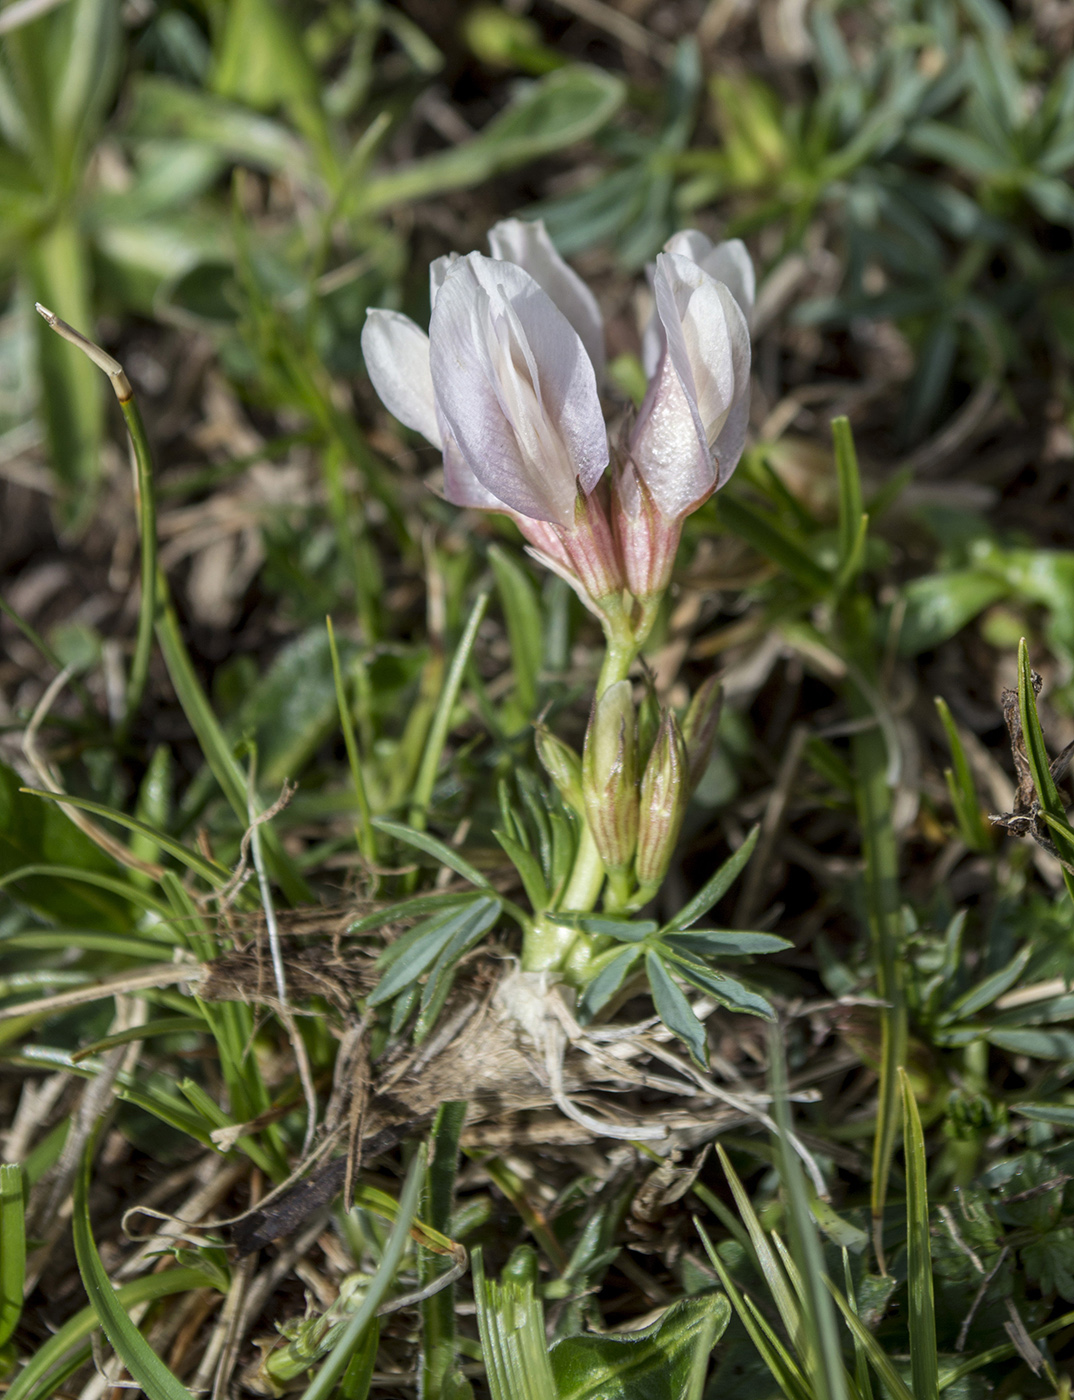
(551, 946)
(145, 496)
(146, 503)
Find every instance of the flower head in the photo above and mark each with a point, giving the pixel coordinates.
(507, 382)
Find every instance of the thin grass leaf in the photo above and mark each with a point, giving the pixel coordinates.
(366, 836)
(764, 1256)
(850, 497)
(770, 1349)
(761, 529)
(209, 870)
(438, 1352)
(715, 887)
(878, 1357)
(960, 786)
(861, 1361)
(432, 847)
(12, 1248)
(1039, 763)
(880, 851)
(166, 1025)
(823, 1355)
(924, 1362)
(216, 749)
(63, 1352)
(522, 614)
(438, 730)
(158, 1382)
(330, 1374)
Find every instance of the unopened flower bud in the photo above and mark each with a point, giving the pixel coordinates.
(563, 766)
(664, 795)
(699, 729)
(609, 777)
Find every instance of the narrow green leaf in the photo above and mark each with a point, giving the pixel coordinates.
(960, 785)
(522, 614)
(767, 1262)
(607, 982)
(438, 730)
(761, 530)
(850, 497)
(158, 1382)
(513, 1345)
(986, 991)
(432, 847)
(674, 1010)
(529, 870)
(924, 1362)
(330, 1374)
(820, 1333)
(878, 1357)
(770, 1349)
(63, 1352)
(217, 750)
(12, 1248)
(716, 887)
(209, 870)
(565, 107)
(367, 841)
(462, 925)
(438, 1357)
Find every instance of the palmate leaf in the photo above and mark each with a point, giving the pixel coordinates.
(607, 982)
(454, 929)
(716, 887)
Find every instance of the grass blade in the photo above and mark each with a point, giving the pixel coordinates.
(367, 837)
(960, 786)
(924, 1363)
(438, 731)
(158, 1382)
(64, 1351)
(331, 1373)
(12, 1248)
(438, 1312)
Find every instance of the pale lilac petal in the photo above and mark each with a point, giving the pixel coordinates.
(461, 487)
(668, 449)
(517, 389)
(438, 270)
(731, 440)
(708, 338)
(530, 248)
(396, 353)
(678, 442)
(728, 262)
